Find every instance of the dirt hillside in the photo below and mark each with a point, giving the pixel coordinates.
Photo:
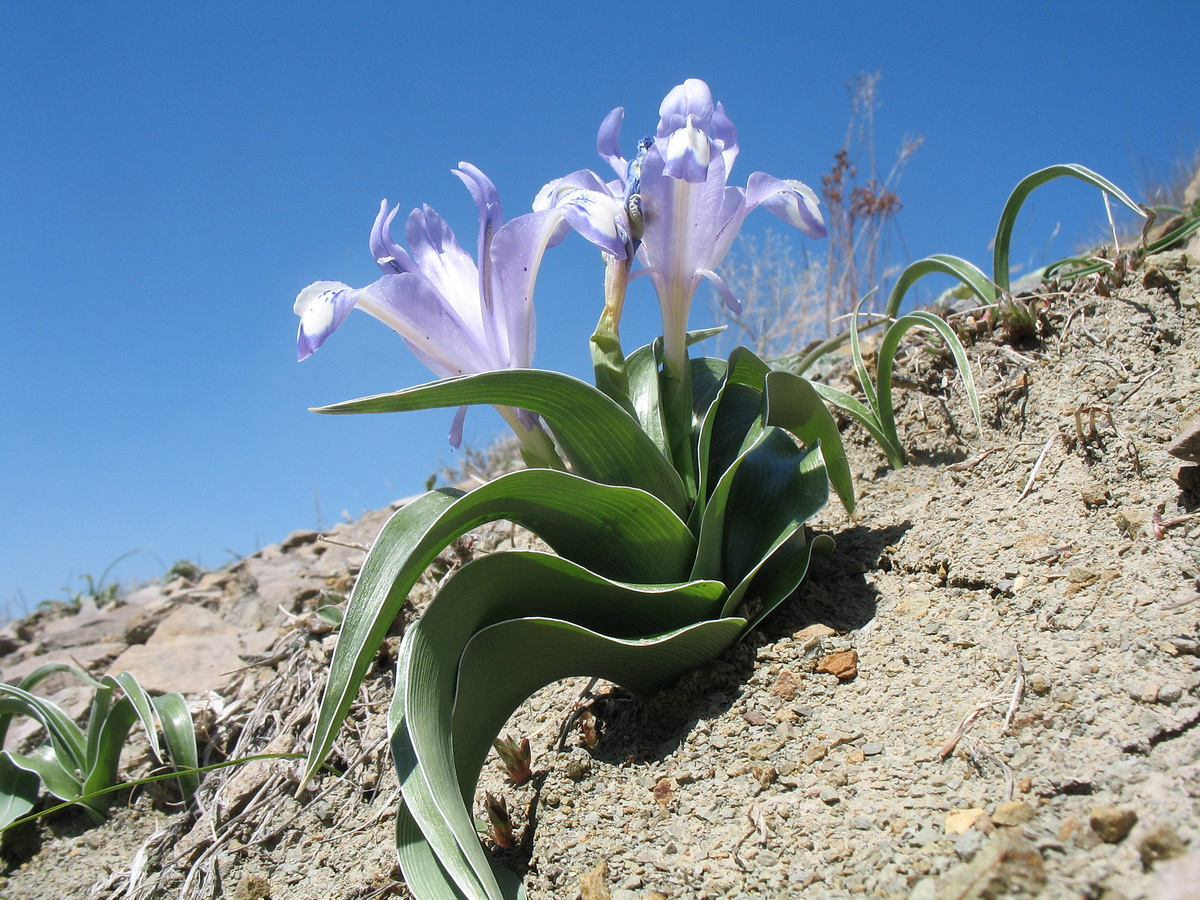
(991, 688)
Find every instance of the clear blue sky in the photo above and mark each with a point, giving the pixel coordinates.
(171, 174)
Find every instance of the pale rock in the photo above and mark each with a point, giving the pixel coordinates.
(193, 650)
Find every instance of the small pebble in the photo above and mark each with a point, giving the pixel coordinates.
(1112, 823)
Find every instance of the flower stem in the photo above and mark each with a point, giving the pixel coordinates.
(608, 359)
(675, 388)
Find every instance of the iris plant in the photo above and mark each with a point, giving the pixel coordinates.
(676, 518)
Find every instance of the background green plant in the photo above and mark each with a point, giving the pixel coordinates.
(80, 765)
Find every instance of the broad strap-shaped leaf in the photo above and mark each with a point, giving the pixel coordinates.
(110, 738)
(54, 776)
(179, 734)
(491, 687)
(18, 790)
(68, 742)
(778, 488)
(779, 575)
(486, 591)
(1008, 217)
(710, 543)
(618, 532)
(794, 405)
(642, 366)
(599, 438)
(762, 533)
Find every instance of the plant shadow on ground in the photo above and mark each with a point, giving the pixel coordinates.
(835, 592)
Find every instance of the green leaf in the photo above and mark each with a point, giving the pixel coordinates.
(68, 742)
(179, 733)
(794, 404)
(600, 439)
(485, 591)
(616, 531)
(553, 650)
(103, 767)
(1008, 217)
(778, 487)
(966, 272)
(865, 417)
(531, 653)
(642, 366)
(18, 790)
(887, 356)
(54, 776)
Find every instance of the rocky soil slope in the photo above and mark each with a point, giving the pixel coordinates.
(991, 687)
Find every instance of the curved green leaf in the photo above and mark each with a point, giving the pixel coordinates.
(1008, 217)
(179, 734)
(780, 574)
(68, 742)
(600, 440)
(553, 650)
(966, 272)
(483, 592)
(53, 775)
(865, 417)
(887, 355)
(642, 367)
(618, 532)
(18, 790)
(110, 738)
(794, 405)
(778, 487)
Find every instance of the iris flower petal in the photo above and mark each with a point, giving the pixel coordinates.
(322, 308)
(389, 256)
(793, 201)
(608, 141)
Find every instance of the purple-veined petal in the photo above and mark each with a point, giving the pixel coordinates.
(413, 307)
(733, 214)
(438, 256)
(322, 308)
(584, 179)
(793, 201)
(688, 153)
(693, 100)
(608, 141)
(682, 218)
(487, 199)
(389, 256)
(516, 255)
(599, 217)
(730, 300)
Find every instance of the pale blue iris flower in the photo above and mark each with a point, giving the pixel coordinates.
(684, 213)
(458, 317)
